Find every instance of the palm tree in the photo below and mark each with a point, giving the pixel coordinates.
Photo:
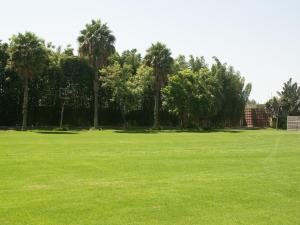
(159, 58)
(97, 44)
(28, 56)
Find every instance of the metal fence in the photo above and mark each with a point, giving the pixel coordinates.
(293, 123)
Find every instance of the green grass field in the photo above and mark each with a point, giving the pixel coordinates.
(111, 177)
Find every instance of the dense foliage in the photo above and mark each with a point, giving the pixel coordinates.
(199, 95)
(57, 87)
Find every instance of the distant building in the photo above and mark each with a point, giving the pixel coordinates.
(256, 117)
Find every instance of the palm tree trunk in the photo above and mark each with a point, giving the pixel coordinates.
(25, 104)
(156, 100)
(62, 114)
(96, 104)
(156, 108)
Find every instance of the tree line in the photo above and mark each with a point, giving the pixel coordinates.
(44, 85)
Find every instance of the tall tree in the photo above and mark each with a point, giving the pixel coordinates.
(131, 58)
(159, 58)
(97, 44)
(3, 62)
(290, 98)
(180, 64)
(196, 64)
(191, 96)
(126, 79)
(127, 87)
(28, 56)
(274, 108)
(9, 89)
(75, 82)
(233, 93)
(3, 55)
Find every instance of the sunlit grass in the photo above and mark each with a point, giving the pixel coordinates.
(140, 177)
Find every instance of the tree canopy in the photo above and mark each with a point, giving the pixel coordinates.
(118, 88)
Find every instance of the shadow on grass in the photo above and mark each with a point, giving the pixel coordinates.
(138, 131)
(152, 131)
(55, 132)
(210, 131)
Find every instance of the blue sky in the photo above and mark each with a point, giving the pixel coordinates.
(260, 38)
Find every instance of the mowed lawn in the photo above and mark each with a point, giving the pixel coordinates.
(112, 177)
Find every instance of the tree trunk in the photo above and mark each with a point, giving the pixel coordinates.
(156, 100)
(124, 120)
(25, 104)
(156, 108)
(62, 115)
(96, 104)
(199, 123)
(123, 114)
(277, 119)
(181, 120)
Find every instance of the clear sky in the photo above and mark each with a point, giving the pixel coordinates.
(260, 38)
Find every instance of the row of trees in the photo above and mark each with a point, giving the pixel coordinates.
(287, 103)
(125, 87)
